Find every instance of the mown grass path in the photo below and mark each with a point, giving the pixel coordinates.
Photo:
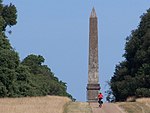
(78, 107)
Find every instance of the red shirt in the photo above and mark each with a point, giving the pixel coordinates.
(100, 96)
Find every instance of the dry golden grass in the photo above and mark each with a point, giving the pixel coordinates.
(47, 104)
(143, 100)
(140, 106)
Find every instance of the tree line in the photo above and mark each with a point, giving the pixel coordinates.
(28, 77)
(132, 76)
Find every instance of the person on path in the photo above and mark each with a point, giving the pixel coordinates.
(100, 97)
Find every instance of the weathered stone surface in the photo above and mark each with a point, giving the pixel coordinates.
(92, 92)
(93, 51)
(93, 87)
(93, 79)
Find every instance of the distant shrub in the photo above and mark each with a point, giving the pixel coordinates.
(131, 99)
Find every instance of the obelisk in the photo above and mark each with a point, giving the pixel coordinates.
(93, 86)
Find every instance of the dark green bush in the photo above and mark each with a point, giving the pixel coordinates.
(143, 92)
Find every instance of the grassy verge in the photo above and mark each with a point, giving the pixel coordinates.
(140, 106)
(47, 104)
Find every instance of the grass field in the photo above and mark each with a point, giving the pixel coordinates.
(55, 104)
(48, 104)
(140, 106)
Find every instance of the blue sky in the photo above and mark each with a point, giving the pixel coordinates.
(59, 31)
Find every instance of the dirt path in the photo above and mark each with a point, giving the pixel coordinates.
(106, 108)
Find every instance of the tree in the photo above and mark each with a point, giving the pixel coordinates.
(42, 76)
(33, 62)
(9, 14)
(4, 42)
(8, 17)
(9, 59)
(29, 77)
(132, 76)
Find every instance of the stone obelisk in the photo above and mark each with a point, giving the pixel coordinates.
(93, 86)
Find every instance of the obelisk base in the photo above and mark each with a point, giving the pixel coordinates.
(92, 92)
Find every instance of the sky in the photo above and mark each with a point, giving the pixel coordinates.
(59, 31)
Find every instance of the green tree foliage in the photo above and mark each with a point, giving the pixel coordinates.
(132, 76)
(43, 78)
(4, 42)
(29, 77)
(9, 59)
(9, 14)
(34, 63)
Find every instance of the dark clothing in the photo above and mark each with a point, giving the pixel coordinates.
(100, 101)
